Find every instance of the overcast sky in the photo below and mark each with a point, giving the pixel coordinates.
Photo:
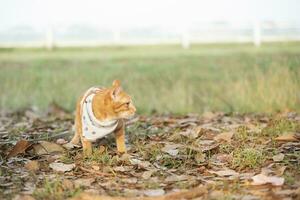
(128, 13)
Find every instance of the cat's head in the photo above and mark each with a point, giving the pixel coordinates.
(120, 102)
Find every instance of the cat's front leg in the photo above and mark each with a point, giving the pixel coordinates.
(86, 147)
(120, 137)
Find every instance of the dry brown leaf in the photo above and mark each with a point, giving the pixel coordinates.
(192, 133)
(210, 147)
(246, 176)
(123, 168)
(175, 178)
(32, 115)
(154, 192)
(147, 174)
(94, 171)
(125, 157)
(102, 149)
(23, 197)
(32, 165)
(297, 135)
(142, 164)
(188, 121)
(278, 157)
(88, 196)
(206, 142)
(221, 158)
(171, 149)
(216, 194)
(67, 184)
(61, 167)
(200, 157)
(280, 170)
(289, 137)
(285, 192)
(86, 182)
(262, 179)
(253, 128)
(61, 141)
(19, 148)
(129, 180)
(70, 146)
(273, 169)
(45, 147)
(226, 136)
(96, 167)
(226, 172)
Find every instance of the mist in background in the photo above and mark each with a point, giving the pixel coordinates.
(69, 23)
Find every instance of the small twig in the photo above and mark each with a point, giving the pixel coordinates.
(94, 171)
(39, 139)
(100, 173)
(49, 137)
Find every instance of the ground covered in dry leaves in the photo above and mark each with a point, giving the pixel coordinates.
(212, 156)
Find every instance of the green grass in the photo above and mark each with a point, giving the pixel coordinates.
(280, 126)
(247, 157)
(160, 78)
(102, 157)
(56, 190)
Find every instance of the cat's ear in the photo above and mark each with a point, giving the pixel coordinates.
(114, 92)
(116, 83)
(115, 89)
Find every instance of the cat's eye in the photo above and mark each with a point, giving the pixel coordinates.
(127, 104)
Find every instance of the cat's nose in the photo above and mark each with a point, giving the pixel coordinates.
(133, 108)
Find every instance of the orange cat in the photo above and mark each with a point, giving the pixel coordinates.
(99, 112)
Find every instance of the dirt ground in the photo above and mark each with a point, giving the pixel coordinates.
(209, 156)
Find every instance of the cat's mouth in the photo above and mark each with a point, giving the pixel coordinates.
(132, 116)
(129, 117)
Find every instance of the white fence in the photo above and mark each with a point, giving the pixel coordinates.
(84, 35)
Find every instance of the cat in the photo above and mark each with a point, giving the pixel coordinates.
(101, 111)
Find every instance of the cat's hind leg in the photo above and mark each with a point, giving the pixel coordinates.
(78, 126)
(78, 130)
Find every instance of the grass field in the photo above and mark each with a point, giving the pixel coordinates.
(164, 79)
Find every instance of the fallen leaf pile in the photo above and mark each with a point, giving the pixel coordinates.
(209, 156)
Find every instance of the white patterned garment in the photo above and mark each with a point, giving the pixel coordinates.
(92, 128)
